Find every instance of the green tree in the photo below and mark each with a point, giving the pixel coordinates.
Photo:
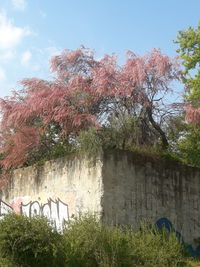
(188, 145)
(189, 50)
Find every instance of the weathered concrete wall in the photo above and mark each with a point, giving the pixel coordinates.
(76, 181)
(139, 188)
(121, 187)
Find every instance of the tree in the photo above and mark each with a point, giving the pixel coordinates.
(188, 146)
(84, 93)
(189, 43)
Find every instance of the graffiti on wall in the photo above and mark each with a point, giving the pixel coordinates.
(167, 224)
(55, 210)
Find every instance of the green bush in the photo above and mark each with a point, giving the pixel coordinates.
(90, 243)
(6, 263)
(86, 242)
(189, 147)
(89, 141)
(154, 247)
(30, 241)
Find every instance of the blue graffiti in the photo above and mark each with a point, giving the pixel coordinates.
(164, 222)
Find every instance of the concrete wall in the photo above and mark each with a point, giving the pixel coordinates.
(139, 188)
(121, 187)
(75, 182)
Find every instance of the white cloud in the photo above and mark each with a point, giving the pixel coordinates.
(26, 56)
(10, 35)
(2, 74)
(19, 4)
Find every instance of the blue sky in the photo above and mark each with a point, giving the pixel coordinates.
(31, 31)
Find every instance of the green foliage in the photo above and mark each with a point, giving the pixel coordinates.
(89, 141)
(120, 132)
(184, 140)
(189, 147)
(42, 154)
(154, 247)
(189, 42)
(90, 243)
(176, 128)
(127, 131)
(116, 134)
(30, 241)
(6, 263)
(189, 50)
(86, 242)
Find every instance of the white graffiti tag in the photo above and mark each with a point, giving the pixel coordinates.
(54, 210)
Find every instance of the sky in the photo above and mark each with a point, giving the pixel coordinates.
(31, 31)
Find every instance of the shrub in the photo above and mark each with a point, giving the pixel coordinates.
(189, 147)
(91, 243)
(153, 247)
(89, 141)
(86, 242)
(30, 241)
(5, 263)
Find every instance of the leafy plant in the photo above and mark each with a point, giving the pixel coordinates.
(189, 147)
(30, 241)
(189, 50)
(85, 242)
(91, 243)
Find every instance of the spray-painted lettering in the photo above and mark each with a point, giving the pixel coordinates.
(55, 210)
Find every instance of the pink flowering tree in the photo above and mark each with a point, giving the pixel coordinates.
(83, 93)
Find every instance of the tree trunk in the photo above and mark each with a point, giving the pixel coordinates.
(157, 127)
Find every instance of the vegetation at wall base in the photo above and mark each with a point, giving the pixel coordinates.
(86, 242)
(28, 241)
